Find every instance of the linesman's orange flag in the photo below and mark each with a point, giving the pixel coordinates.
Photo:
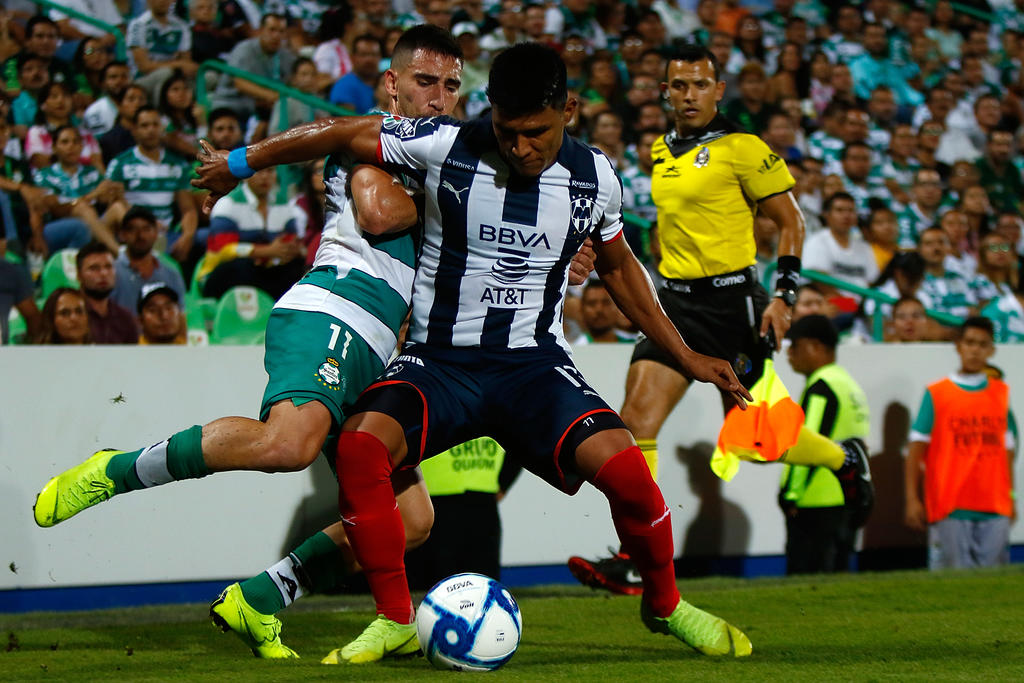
(763, 432)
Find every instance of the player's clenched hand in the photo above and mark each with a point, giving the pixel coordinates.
(720, 373)
(582, 264)
(777, 317)
(214, 174)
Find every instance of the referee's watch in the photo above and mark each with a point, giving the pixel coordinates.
(788, 296)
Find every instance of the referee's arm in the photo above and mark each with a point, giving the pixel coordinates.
(632, 291)
(783, 209)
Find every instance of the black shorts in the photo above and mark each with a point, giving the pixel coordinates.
(533, 402)
(724, 323)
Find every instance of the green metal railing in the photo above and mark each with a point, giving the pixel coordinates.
(284, 92)
(286, 175)
(971, 11)
(877, 318)
(120, 49)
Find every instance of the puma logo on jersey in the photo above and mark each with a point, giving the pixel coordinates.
(451, 188)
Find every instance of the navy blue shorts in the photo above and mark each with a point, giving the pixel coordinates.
(534, 402)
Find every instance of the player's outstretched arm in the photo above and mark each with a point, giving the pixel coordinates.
(380, 201)
(634, 294)
(221, 170)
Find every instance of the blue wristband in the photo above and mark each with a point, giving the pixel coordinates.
(237, 164)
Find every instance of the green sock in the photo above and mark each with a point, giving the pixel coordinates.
(313, 567)
(262, 594)
(321, 567)
(174, 459)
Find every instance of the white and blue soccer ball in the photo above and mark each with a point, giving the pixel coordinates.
(469, 622)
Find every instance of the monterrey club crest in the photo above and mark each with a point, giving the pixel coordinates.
(581, 215)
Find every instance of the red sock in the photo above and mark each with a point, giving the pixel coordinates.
(372, 522)
(644, 525)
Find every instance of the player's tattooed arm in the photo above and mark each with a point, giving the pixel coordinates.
(356, 136)
(381, 202)
(632, 290)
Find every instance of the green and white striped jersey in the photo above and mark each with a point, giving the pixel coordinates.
(55, 180)
(149, 183)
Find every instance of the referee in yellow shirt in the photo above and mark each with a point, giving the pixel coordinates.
(709, 180)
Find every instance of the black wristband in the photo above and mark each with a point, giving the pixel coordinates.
(787, 272)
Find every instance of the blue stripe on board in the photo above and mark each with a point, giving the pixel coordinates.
(453, 204)
(134, 595)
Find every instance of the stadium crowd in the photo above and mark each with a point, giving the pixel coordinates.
(901, 123)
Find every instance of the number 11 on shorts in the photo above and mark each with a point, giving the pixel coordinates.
(335, 333)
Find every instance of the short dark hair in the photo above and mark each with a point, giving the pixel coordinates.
(809, 286)
(111, 65)
(140, 213)
(527, 78)
(142, 110)
(846, 196)
(24, 58)
(906, 300)
(695, 53)
(90, 248)
(852, 145)
(301, 61)
(276, 15)
(978, 322)
(30, 25)
(817, 327)
(61, 129)
(367, 38)
(427, 37)
(224, 112)
(119, 98)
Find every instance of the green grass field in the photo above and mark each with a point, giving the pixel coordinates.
(894, 626)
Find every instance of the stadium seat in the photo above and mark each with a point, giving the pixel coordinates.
(11, 257)
(170, 262)
(198, 337)
(16, 328)
(60, 270)
(241, 316)
(199, 309)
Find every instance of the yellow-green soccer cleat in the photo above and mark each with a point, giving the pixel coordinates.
(700, 630)
(75, 489)
(260, 632)
(382, 638)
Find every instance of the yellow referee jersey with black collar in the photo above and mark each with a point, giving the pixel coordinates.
(706, 187)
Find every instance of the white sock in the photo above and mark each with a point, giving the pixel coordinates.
(151, 465)
(283, 576)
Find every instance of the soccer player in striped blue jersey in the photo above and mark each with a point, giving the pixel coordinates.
(508, 200)
(328, 337)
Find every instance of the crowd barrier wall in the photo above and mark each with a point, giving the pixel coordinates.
(58, 405)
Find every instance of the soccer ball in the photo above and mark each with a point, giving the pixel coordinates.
(469, 622)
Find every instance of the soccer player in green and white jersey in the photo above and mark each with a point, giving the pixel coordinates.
(157, 179)
(73, 187)
(327, 339)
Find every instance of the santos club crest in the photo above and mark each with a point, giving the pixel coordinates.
(581, 215)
